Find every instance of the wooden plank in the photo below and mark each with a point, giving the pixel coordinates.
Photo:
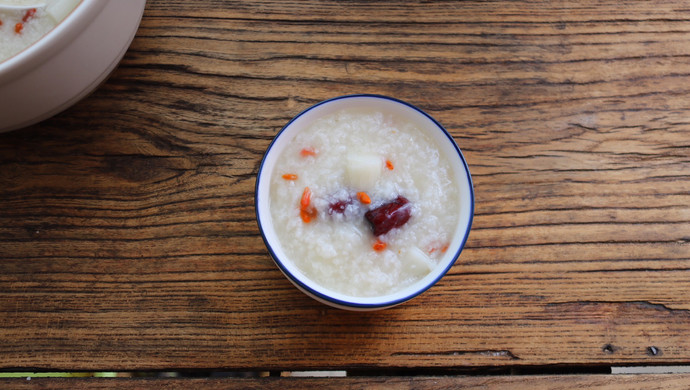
(127, 231)
(615, 382)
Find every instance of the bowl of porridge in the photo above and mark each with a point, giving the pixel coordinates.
(364, 201)
(55, 53)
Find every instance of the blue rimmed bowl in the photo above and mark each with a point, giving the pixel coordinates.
(402, 110)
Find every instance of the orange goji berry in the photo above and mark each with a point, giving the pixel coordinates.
(29, 14)
(306, 210)
(363, 198)
(307, 152)
(379, 246)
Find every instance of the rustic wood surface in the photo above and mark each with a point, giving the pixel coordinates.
(128, 238)
(585, 382)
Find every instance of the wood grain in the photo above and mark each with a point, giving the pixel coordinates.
(613, 382)
(128, 238)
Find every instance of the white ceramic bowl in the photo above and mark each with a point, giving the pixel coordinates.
(446, 145)
(67, 63)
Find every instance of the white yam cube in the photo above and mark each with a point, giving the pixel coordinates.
(363, 170)
(415, 262)
(59, 9)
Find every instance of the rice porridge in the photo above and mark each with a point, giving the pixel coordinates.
(362, 203)
(21, 28)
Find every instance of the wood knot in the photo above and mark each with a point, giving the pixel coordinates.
(609, 348)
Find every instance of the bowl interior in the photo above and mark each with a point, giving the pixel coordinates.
(446, 146)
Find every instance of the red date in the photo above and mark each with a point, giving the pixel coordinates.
(389, 216)
(339, 206)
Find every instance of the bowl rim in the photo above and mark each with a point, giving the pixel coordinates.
(354, 304)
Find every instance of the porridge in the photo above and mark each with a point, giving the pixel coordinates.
(363, 203)
(21, 28)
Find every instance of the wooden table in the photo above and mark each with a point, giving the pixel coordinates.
(128, 234)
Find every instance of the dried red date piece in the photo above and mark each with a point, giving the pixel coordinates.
(389, 216)
(339, 206)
